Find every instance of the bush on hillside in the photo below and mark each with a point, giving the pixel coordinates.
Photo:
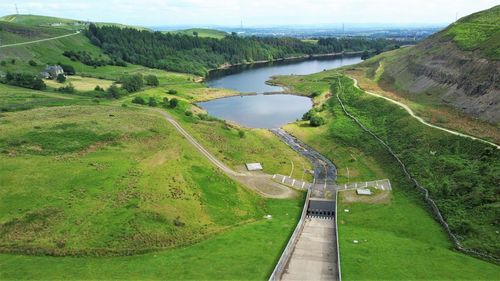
(151, 80)
(132, 83)
(139, 100)
(24, 80)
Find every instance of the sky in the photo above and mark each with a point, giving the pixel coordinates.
(252, 12)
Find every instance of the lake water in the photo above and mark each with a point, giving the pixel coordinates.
(265, 111)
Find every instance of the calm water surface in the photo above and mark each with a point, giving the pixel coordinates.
(265, 111)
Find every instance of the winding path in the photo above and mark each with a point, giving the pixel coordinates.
(410, 111)
(40, 40)
(260, 182)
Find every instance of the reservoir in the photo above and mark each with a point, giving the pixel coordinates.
(265, 110)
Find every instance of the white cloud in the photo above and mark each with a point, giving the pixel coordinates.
(253, 12)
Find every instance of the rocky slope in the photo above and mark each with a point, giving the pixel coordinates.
(459, 66)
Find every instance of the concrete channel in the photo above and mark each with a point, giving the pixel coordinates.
(312, 251)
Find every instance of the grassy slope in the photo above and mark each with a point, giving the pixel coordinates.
(247, 252)
(15, 98)
(429, 106)
(479, 31)
(224, 141)
(61, 23)
(109, 178)
(11, 33)
(404, 242)
(202, 32)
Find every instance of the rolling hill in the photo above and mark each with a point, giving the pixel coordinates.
(202, 32)
(60, 23)
(457, 67)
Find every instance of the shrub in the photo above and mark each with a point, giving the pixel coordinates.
(315, 94)
(99, 88)
(307, 115)
(13, 61)
(316, 121)
(61, 78)
(152, 102)
(139, 100)
(132, 83)
(174, 102)
(68, 69)
(188, 113)
(151, 80)
(24, 80)
(67, 89)
(32, 63)
(3, 63)
(241, 133)
(172, 92)
(115, 92)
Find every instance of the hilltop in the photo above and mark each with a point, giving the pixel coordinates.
(457, 67)
(60, 23)
(202, 32)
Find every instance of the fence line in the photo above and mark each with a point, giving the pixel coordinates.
(337, 236)
(428, 199)
(287, 252)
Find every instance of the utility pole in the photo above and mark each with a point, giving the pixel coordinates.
(17, 11)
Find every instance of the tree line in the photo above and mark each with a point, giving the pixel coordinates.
(197, 55)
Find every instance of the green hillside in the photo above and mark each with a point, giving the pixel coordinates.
(455, 68)
(55, 22)
(202, 32)
(479, 31)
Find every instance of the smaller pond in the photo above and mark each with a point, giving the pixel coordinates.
(259, 111)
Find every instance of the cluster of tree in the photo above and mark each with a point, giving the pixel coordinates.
(131, 84)
(153, 103)
(25, 80)
(87, 59)
(315, 120)
(184, 53)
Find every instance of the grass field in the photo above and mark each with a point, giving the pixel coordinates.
(80, 83)
(100, 180)
(403, 242)
(246, 252)
(399, 241)
(15, 99)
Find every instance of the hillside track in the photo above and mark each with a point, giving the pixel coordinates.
(259, 182)
(420, 119)
(40, 40)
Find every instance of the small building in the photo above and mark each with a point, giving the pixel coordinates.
(253, 166)
(51, 71)
(363, 191)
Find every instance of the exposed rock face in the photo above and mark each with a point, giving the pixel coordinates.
(462, 79)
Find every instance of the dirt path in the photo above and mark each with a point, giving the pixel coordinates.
(40, 40)
(259, 182)
(410, 111)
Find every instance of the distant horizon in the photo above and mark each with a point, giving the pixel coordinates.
(331, 26)
(257, 13)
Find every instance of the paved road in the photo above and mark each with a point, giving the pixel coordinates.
(410, 111)
(40, 40)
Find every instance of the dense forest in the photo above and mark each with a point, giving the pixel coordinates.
(197, 55)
